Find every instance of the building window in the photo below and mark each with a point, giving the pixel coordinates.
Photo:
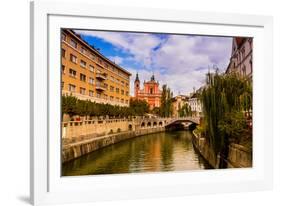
(73, 43)
(91, 93)
(73, 58)
(111, 88)
(91, 68)
(250, 42)
(127, 101)
(91, 80)
(251, 66)
(99, 61)
(82, 90)
(72, 73)
(244, 70)
(117, 81)
(62, 69)
(98, 95)
(243, 53)
(127, 85)
(106, 86)
(92, 57)
(105, 96)
(122, 92)
(83, 77)
(62, 85)
(122, 83)
(117, 99)
(106, 65)
(63, 53)
(122, 100)
(112, 78)
(117, 90)
(111, 98)
(63, 37)
(83, 50)
(127, 93)
(151, 90)
(71, 88)
(83, 64)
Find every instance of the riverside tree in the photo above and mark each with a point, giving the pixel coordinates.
(166, 109)
(73, 106)
(225, 100)
(185, 111)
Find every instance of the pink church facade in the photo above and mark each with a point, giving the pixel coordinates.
(150, 92)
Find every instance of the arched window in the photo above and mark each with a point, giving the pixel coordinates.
(244, 70)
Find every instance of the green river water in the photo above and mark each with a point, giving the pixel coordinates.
(166, 151)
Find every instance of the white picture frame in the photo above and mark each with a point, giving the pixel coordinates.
(47, 186)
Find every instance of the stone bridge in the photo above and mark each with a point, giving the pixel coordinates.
(144, 123)
(195, 120)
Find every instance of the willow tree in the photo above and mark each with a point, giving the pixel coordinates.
(166, 108)
(225, 100)
(185, 111)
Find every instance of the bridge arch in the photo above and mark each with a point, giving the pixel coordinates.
(187, 122)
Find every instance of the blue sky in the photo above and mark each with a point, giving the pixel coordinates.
(180, 61)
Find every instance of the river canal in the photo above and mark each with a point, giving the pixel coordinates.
(166, 151)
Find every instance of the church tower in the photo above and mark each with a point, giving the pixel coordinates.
(137, 85)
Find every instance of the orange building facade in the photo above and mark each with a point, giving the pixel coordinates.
(89, 75)
(150, 92)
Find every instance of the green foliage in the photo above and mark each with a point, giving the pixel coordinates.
(156, 111)
(233, 124)
(225, 99)
(139, 107)
(166, 109)
(185, 111)
(73, 106)
(69, 105)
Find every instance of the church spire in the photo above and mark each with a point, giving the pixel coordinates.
(152, 78)
(137, 77)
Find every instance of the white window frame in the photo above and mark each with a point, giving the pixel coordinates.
(82, 63)
(91, 68)
(73, 58)
(73, 43)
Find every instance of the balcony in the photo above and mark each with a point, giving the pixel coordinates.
(101, 76)
(100, 86)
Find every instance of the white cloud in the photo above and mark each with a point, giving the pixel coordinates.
(116, 59)
(180, 61)
(139, 45)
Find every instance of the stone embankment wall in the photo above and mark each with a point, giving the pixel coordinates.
(75, 150)
(238, 156)
(79, 129)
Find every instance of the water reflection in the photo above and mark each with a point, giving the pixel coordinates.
(167, 151)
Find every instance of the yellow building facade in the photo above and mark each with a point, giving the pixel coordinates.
(87, 74)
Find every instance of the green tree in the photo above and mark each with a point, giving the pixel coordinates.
(225, 100)
(139, 107)
(166, 109)
(73, 106)
(185, 111)
(68, 105)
